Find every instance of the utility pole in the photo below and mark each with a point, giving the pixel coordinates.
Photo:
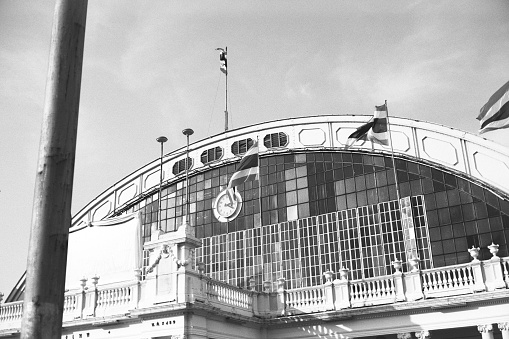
(51, 216)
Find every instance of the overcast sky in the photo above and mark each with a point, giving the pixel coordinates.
(151, 69)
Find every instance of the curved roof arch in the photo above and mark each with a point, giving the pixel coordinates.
(477, 158)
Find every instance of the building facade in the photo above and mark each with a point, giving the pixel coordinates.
(331, 241)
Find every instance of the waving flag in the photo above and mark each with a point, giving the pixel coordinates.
(222, 60)
(248, 168)
(374, 130)
(495, 113)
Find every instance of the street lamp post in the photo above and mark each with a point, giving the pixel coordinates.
(187, 132)
(161, 140)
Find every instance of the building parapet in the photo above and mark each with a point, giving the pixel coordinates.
(131, 299)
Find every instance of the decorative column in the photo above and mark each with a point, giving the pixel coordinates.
(486, 331)
(266, 286)
(424, 334)
(328, 291)
(398, 280)
(281, 297)
(413, 281)
(341, 287)
(504, 328)
(477, 270)
(493, 270)
(406, 335)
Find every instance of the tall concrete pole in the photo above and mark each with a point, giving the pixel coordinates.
(51, 216)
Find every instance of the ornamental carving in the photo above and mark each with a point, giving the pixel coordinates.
(487, 328)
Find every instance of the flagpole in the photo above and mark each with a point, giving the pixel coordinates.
(259, 182)
(226, 96)
(392, 153)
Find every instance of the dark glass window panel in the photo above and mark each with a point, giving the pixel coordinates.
(432, 219)
(388, 162)
(443, 216)
(463, 184)
(436, 248)
(438, 186)
(453, 197)
(504, 206)
(441, 199)
(393, 194)
(367, 159)
(360, 183)
(369, 169)
(370, 181)
(427, 185)
(338, 174)
(378, 161)
(381, 179)
(430, 201)
(468, 212)
(505, 222)
(450, 259)
(413, 167)
(357, 158)
(362, 199)
(373, 198)
(446, 232)
(350, 185)
(413, 176)
(438, 260)
(465, 197)
(320, 178)
(341, 203)
(389, 174)
(437, 175)
(405, 189)
(401, 165)
(416, 187)
(480, 210)
(484, 241)
(351, 200)
(329, 177)
(347, 157)
(472, 241)
(496, 224)
(319, 167)
(455, 212)
(348, 171)
(492, 211)
(477, 192)
(402, 176)
(483, 226)
(448, 246)
(458, 230)
(383, 194)
(450, 180)
(358, 169)
(425, 171)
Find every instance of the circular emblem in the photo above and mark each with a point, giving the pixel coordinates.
(227, 205)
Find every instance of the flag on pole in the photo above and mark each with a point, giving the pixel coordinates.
(374, 130)
(222, 60)
(248, 168)
(495, 113)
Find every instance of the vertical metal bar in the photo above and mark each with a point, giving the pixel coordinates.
(51, 218)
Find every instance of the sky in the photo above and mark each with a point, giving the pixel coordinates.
(150, 68)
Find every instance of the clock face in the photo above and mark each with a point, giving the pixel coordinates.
(227, 205)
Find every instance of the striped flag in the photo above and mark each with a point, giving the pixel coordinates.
(495, 113)
(374, 130)
(248, 168)
(222, 60)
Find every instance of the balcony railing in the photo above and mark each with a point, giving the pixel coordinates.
(96, 301)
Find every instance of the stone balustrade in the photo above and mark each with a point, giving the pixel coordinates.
(96, 301)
